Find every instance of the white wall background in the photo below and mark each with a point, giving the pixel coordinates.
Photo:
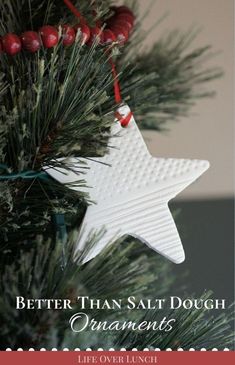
(208, 132)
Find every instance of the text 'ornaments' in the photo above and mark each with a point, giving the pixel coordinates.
(132, 190)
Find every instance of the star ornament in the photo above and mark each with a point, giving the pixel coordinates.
(132, 190)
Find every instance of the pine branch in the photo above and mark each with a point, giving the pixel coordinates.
(27, 211)
(118, 271)
(163, 83)
(51, 109)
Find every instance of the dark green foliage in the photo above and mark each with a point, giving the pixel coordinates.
(26, 214)
(51, 107)
(60, 103)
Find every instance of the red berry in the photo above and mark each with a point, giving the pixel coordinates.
(11, 44)
(127, 18)
(85, 32)
(121, 33)
(49, 35)
(108, 36)
(96, 36)
(30, 41)
(68, 35)
(121, 17)
(123, 24)
(123, 10)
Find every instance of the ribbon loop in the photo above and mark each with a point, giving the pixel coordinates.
(117, 90)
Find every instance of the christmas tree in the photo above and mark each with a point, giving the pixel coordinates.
(59, 67)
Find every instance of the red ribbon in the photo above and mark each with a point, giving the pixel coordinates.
(124, 120)
(117, 91)
(74, 10)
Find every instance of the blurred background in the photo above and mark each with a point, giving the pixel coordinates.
(206, 221)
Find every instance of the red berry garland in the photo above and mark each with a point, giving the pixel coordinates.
(127, 18)
(122, 9)
(49, 35)
(118, 28)
(68, 35)
(11, 44)
(121, 33)
(96, 35)
(121, 23)
(31, 41)
(108, 37)
(85, 32)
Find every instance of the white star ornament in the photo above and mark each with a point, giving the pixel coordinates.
(132, 190)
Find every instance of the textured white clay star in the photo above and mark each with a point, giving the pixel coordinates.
(132, 190)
